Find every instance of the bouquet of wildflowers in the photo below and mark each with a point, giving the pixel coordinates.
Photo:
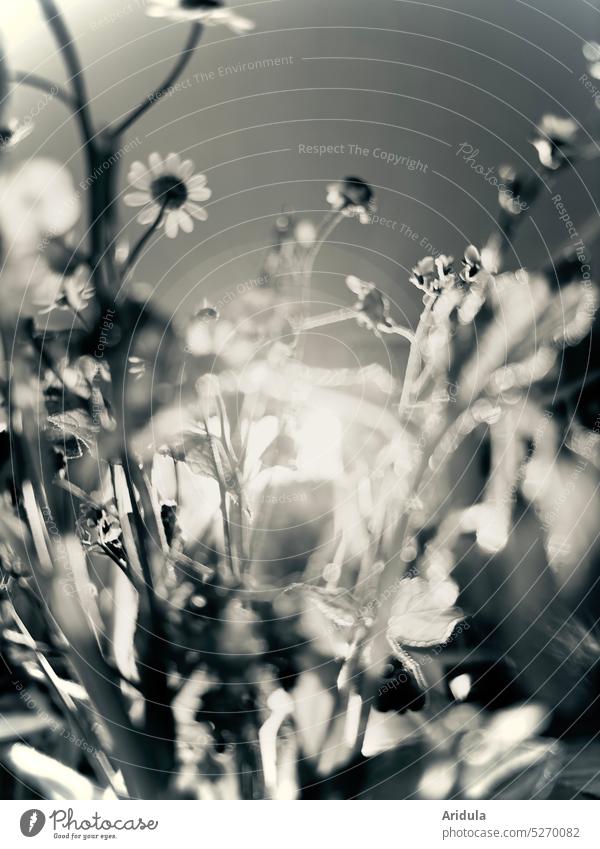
(228, 573)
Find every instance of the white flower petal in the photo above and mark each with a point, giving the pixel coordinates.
(186, 170)
(148, 215)
(197, 181)
(185, 222)
(172, 225)
(139, 176)
(199, 194)
(239, 24)
(197, 212)
(173, 163)
(156, 164)
(137, 198)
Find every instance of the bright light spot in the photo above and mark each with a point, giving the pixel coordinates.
(352, 719)
(492, 530)
(438, 780)
(320, 445)
(460, 687)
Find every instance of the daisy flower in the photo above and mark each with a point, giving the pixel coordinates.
(169, 185)
(353, 198)
(207, 12)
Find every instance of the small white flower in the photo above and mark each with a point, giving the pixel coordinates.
(170, 184)
(207, 12)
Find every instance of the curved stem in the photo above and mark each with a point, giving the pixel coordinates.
(328, 225)
(149, 101)
(141, 244)
(73, 64)
(414, 358)
(42, 84)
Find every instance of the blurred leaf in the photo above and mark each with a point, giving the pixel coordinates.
(336, 605)
(521, 773)
(17, 726)
(423, 614)
(74, 424)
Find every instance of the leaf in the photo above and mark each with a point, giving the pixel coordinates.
(335, 605)
(74, 425)
(205, 455)
(423, 614)
(521, 773)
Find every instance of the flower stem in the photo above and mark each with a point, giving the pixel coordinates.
(154, 96)
(67, 48)
(414, 358)
(328, 225)
(141, 244)
(42, 84)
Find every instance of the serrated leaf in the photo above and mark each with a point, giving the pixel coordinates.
(423, 613)
(336, 605)
(74, 425)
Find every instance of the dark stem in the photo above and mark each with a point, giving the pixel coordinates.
(67, 47)
(97, 205)
(143, 241)
(47, 86)
(149, 101)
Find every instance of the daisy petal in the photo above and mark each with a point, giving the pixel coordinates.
(137, 198)
(197, 181)
(172, 225)
(156, 164)
(185, 222)
(197, 212)
(139, 176)
(240, 25)
(148, 215)
(173, 163)
(199, 194)
(186, 170)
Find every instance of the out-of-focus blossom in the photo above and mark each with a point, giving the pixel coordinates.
(37, 202)
(517, 190)
(591, 51)
(305, 232)
(206, 12)
(372, 305)
(170, 185)
(68, 292)
(353, 198)
(554, 140)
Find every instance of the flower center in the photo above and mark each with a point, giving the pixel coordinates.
(200, 4)
(170, 191)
